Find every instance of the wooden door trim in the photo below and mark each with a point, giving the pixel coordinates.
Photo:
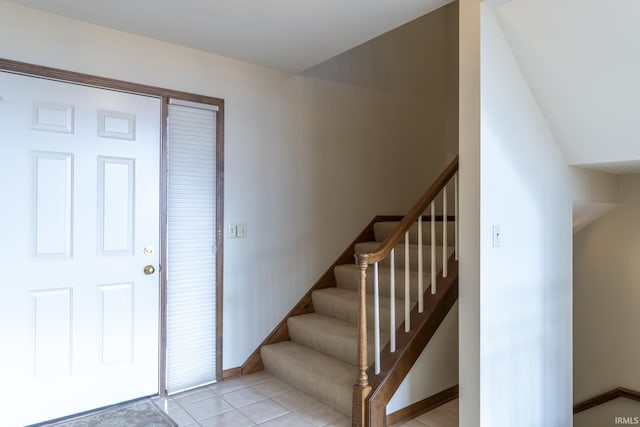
(165, 94)
(164, 168)
(104, 82)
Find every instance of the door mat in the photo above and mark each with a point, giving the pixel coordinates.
(138, 414)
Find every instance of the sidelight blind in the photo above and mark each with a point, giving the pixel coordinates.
(191, 257)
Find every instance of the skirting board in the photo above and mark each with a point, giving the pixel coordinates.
(232, 372)
(424, 405)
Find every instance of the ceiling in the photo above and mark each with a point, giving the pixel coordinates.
(290, 35)
(581, 59)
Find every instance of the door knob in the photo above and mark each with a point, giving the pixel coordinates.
(149, 269)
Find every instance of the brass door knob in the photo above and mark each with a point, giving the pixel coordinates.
(149, 269)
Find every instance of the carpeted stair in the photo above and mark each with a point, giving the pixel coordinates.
(320, 358)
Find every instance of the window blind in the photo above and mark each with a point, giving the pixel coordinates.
(191, 247)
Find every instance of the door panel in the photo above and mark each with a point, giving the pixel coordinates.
(79, 194)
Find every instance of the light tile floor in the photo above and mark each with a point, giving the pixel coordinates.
(260, 399)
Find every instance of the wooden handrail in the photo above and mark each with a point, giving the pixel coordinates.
(606, 397)
(410, 218)
(361, 412)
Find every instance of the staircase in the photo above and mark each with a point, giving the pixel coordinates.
(321, 356)
(316, 348)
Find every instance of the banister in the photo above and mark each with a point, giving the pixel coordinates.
(363, 413)
(409, 219)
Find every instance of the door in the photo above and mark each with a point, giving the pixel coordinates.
(79, 194)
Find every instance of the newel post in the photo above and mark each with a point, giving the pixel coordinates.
(362, 388)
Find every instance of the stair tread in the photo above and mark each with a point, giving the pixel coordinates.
(327, 325)
(373, 245)
(384, 270)
(325, 378)
(329, 335)
(343, 304)
(352, 295)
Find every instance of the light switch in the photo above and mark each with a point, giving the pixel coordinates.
(497, 236)
(237, 231)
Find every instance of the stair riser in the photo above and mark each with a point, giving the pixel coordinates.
(341, 347)
(348, 310)
(312, 379)
(345, 350)
(383, 229)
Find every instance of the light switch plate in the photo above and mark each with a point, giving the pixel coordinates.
(497, 236)
(237, 231)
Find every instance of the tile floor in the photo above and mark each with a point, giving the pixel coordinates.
(443, 416)
(262, 400)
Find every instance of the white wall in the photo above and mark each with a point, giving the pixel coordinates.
(606, 299)
(580, 59)
(526, 283)
(309, 159)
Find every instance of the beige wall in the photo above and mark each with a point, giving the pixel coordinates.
(435, 370)
(437, 367)
(606, 301)
(309, 159)
(605, 415)
(469, 281)
(592, 186)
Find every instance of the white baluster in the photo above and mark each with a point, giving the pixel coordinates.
(376, 318)
(433, 248)
(392, 297)
(420, 268)
(407, 291)
(444, 231)
(455, 196)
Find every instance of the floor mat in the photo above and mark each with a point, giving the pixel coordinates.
(138, 414)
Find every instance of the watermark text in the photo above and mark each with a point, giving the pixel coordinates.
(627, 420)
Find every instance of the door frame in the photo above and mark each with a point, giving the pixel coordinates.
(164, 95)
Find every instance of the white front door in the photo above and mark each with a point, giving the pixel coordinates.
(79, 221)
